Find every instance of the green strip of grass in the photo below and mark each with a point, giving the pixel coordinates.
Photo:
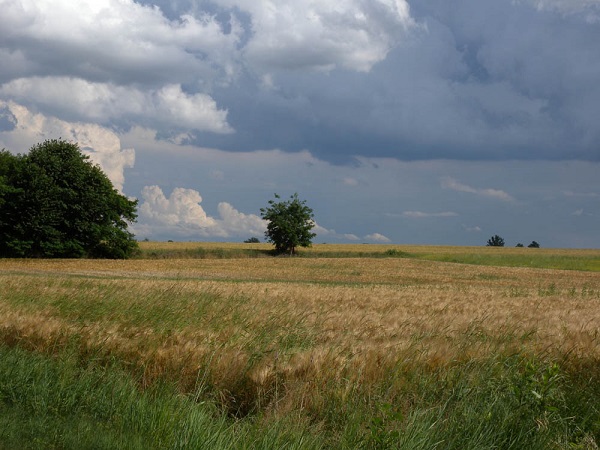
(204, 253)
(532, 258)
(502, 402)
(51, 403)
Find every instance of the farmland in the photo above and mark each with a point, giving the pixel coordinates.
(355, 346)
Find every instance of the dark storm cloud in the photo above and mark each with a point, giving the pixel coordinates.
(123, 43)
(485, 80)
(489, 80)
(446, 121)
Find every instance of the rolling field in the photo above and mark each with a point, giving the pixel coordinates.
(353, 346)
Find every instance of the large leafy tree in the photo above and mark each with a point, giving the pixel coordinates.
(289, 224)
(55, 203)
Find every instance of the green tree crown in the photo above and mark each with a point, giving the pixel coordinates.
(495, 241)
(56, 203)
(289, 224)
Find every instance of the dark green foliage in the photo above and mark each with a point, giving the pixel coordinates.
(520, 245)
(495, 241)
(289, 224)
(252, 240)
(55, 203)
(534, 245)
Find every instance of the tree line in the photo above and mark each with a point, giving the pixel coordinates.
(55, 203)
(497, 241)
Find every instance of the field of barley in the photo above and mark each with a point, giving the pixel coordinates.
(217, 345)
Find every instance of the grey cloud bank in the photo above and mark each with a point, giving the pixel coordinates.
(420, 122)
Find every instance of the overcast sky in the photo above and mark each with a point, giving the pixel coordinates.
(425, 122)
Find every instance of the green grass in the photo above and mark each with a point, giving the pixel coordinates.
(527, 258)
(587, 260)
(203, 253)
(505, 401)
(80, 394)
(63, 402)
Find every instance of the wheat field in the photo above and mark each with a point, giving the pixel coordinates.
(279, 334)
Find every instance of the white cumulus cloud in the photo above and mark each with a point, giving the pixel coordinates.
(323, 34)
(99, 38)
(377, 237)
(237, 223)
(423, 215)
(323, 232)
(455, 185)
(101, 144)
(105, 102)
(181, 209)
(182, 215)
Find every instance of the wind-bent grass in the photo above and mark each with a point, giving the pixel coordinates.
(386, 352)
(58, 403)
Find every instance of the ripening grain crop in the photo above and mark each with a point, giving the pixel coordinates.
(302, 336)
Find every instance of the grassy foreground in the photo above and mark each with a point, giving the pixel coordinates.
(361, 348)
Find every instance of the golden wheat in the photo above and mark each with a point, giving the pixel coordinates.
(287, 327)
(369, 248)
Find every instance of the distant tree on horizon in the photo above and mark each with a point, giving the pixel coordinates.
(495, 241)
(534, 245)
(289, 224)
(252, 240)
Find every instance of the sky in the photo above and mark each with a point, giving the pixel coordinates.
(438, 122)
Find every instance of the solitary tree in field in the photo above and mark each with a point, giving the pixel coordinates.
(56, 203)
(252, 240)
(495, 241)
(534, 245)
(289, 224)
